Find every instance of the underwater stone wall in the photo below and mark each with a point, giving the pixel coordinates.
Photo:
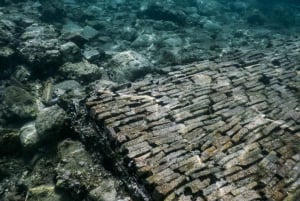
(211, 130)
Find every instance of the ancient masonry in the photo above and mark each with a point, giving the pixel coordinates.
(213, 130)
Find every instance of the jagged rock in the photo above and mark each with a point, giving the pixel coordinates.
(49, 128)
(29, 137)
(70, 52)
(40, 47)
(128, 65)
(19, 104)
(82, 71)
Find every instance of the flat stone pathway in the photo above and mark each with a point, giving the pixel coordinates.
(214, 130)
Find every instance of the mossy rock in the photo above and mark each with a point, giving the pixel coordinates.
(19, 104)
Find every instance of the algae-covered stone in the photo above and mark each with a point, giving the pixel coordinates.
(81, 71)
(29, 137)
(19, 104)
(70, 52)
(128, 65)
(40, 47)
(46, 193)
(49, 122)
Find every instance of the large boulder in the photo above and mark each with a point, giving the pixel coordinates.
(49, 122)
(40, 47)
(128, 66)
(19, 104)
(81, 71)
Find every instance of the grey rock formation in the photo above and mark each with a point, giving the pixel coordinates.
(29, 137)
(19, 104)
(40, 46)
(49, 123)
(70, 52)
(128, 65)
(81, 71)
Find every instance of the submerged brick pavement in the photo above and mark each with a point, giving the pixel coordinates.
(225, 129)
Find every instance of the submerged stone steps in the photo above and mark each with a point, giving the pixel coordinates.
(226, 129)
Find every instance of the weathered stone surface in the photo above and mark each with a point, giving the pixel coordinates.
(40, 46)
(19, 104)
(29, 137)
(49, 122)
(128, 65)
(209, 133)
(81, 71)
